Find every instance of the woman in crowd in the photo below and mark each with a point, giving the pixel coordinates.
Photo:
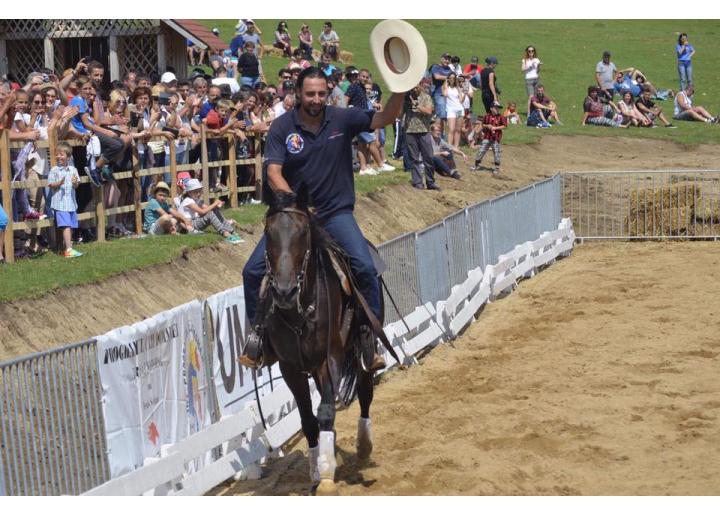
(298, 61)
(684, 51)
(454, 98)
(631, 114)
(488, 84)
(282, 39)
(530, 67)
(329, 41)
(595, 112)
(305, 41)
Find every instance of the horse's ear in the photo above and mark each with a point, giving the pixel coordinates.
(303, 197)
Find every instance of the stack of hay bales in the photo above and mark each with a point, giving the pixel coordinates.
(665, 211)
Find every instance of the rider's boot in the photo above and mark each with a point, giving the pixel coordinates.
(371, 361)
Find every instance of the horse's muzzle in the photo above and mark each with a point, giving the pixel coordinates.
(285, 297)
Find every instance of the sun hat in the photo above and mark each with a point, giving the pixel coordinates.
(182, 178)
(193, 185)
(400, 54)
(161, 185)
(168, 77)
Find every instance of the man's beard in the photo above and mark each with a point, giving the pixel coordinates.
(314, 113)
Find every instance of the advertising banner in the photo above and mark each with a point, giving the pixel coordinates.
(155, 389)
(233, 382)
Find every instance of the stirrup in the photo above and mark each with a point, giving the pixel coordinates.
(370, 360)
(252, 355)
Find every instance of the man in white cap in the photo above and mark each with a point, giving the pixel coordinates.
(169, 82)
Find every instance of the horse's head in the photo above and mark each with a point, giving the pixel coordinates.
(287, 251)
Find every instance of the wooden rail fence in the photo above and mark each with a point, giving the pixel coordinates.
(100, 213)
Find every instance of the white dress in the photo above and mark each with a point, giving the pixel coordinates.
(453, 106)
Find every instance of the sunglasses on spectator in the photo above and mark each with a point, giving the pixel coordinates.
(531, 49)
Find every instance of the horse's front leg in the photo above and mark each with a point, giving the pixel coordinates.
(326, 441)
(298, 383)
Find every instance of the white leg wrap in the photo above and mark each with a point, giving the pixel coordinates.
(314, 454)
(364, 442)
(326, 458)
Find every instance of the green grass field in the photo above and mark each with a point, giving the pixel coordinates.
(569, 50)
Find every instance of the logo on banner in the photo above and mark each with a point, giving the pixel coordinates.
(294, 143)
(195, 407)
(153, 433)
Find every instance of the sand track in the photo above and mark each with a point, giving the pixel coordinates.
(596, 377)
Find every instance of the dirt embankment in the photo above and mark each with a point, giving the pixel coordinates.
(81, 312)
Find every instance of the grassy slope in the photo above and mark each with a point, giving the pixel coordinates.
(569, 50)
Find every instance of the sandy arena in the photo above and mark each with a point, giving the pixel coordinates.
(597, 377)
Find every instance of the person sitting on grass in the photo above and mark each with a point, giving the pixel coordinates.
(201, 216)
(684, 110)
(443, 154)
(631, 114)
(63, 180)
(160, 216)
(542, 109)
(597, 112)
(652, 112)
(511, 114)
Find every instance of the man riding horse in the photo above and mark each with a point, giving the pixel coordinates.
(310, 146)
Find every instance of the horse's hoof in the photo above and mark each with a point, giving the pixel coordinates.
(326, 487)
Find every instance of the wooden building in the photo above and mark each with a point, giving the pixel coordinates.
(145, 46)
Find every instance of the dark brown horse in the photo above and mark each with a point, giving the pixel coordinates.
(315, 329)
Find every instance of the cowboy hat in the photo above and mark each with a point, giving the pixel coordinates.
(400, 54)
(161, 185)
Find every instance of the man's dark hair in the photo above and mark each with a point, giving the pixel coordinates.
(225, 91)
(328, 24)
(94, 65)
(219, 70)
(116, 84)
(183, 83)
(126, 76)
(312, 72)
(142, 77)
(283, 70)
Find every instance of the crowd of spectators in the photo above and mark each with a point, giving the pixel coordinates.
(158, 111)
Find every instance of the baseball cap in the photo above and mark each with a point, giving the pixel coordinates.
(474, 59)
(168, 77)
(249, 20)
(491, 60)
(606, 53)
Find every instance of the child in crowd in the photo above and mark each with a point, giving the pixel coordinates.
(3, 224)
(202, 216)
(492, 127)
(511, 114)
(160, 217)
(63, 180)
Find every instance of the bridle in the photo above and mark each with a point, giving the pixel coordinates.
(302, 273)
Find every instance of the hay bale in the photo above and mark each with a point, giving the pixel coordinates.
(665, 211)
(272, 51)
(707, 211)
(345, 57)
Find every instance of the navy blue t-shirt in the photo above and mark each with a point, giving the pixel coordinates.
(437, 84)
(356, 95)
(323, 161)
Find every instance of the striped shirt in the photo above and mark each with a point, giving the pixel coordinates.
(63, 198)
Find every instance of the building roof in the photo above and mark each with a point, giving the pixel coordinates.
(198, 34)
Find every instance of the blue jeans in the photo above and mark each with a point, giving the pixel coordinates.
(685, 73)
(345, 231)
(440, 108)
(249, 81)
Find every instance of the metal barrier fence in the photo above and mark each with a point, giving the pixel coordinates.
(672, 204)
(51, 421)
(53, 435)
